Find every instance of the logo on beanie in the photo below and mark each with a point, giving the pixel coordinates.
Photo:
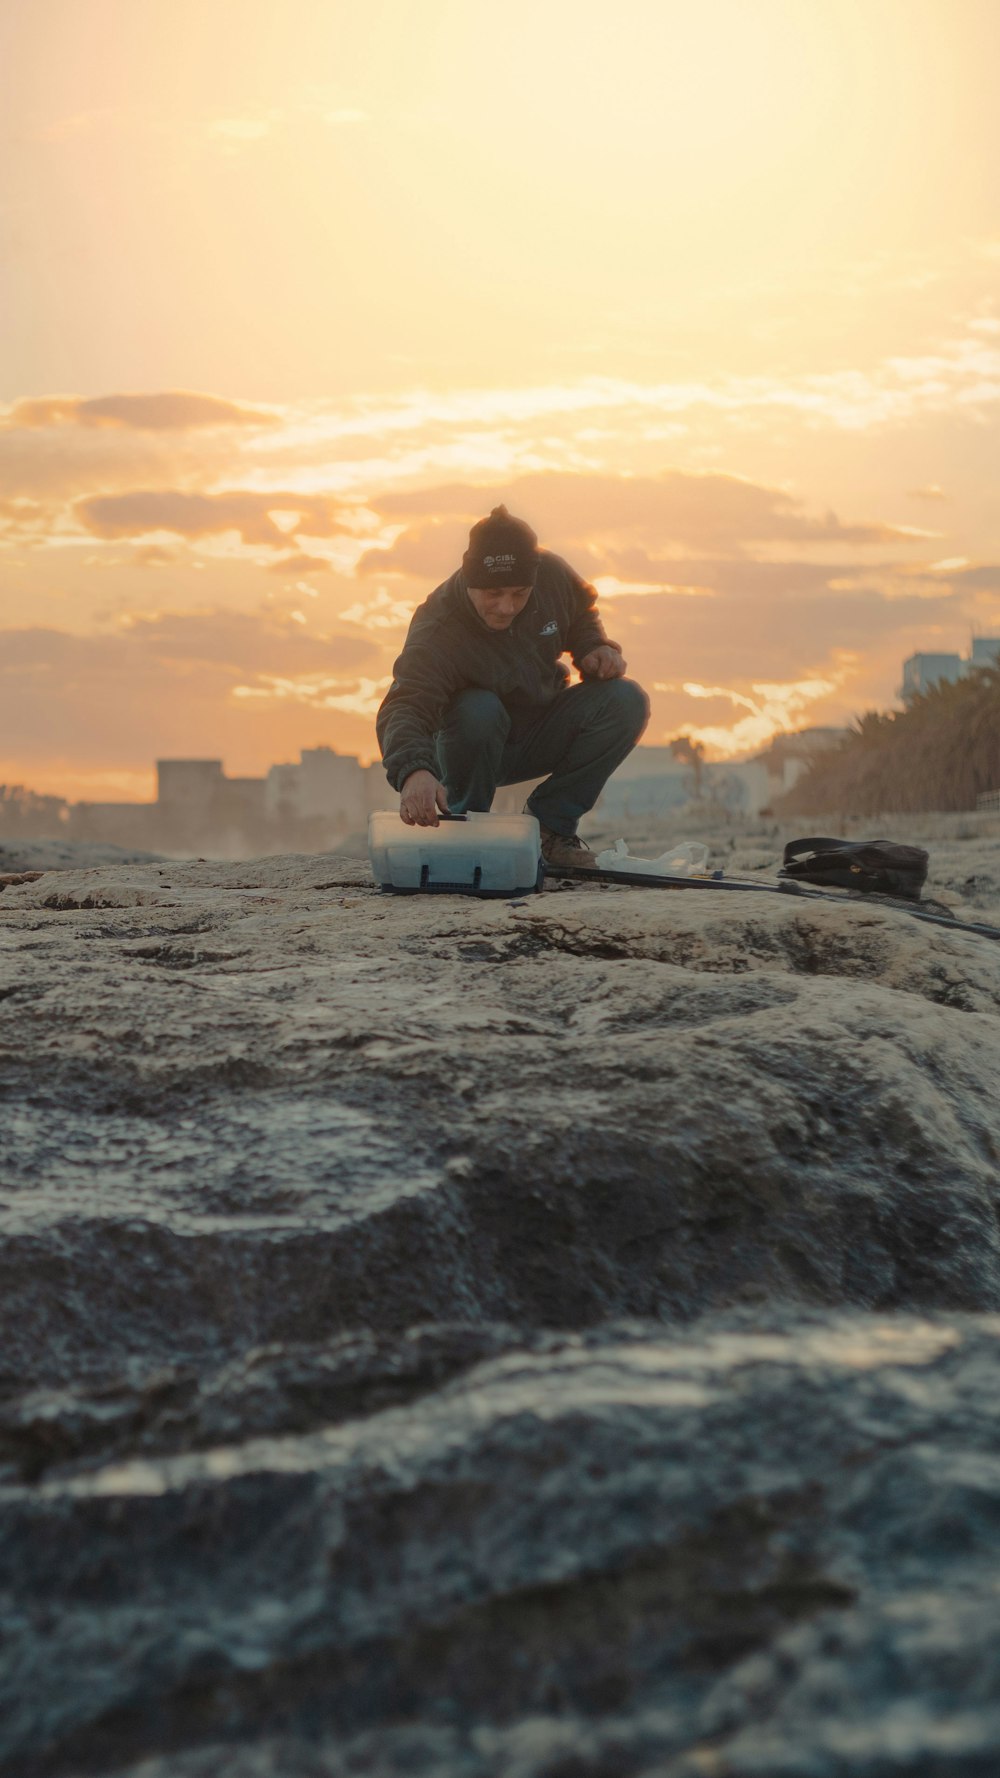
(497, 563)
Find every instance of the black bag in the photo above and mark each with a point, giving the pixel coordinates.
(876, 867)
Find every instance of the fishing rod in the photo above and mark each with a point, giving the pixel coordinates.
(735, 885)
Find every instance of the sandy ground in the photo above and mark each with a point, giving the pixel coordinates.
(549, 1340)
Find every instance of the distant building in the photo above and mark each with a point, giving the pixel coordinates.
(327, 786)
(780, 766)
(333, 785)
(281, 793)
(379, 793)
(651, 781)
(308, 807)
(648, 793)
(188, 784)
(923, 671)
(123, 824)
(245, 798)
(650, 762)
(198, 808)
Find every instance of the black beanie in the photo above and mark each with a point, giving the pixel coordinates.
(502, 552)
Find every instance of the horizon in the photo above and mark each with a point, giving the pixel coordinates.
(366, 763)
(712, 302)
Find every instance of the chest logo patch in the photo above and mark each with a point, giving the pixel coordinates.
(549, 630)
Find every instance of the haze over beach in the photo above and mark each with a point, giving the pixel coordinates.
(708, 294)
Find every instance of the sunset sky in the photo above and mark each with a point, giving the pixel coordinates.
(707, 290)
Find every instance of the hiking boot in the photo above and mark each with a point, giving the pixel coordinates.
(566, 851)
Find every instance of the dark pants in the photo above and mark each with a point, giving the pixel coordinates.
(579, 738)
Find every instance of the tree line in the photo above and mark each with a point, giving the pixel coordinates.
(27, 814)
(941, 752)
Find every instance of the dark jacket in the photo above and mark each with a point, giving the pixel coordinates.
(449, 649)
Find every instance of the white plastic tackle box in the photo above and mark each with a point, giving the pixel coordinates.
(466, 855)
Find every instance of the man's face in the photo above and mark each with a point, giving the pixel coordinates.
(499, 605)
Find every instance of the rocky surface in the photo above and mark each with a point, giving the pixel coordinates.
(552, 1340)
(37, 854)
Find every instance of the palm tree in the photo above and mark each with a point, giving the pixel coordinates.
(690, 753)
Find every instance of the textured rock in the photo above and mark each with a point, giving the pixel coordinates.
(554, 1340)
(45, 855)
(775, 1550)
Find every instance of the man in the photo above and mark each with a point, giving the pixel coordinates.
(480, 697)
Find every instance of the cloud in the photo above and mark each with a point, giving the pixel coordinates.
(151, 555)
(608, 586)
(697, 511)
(239, 641)
(23, 518)
(166, 684)
(142, 511)
(978, 577)
(299, 564)
(434, 549)
(383, 612)
(748, 634)
(319, 692)
(684, 562)
(960, 574)
(740, 575)
(772, 708)
(172, 411)
(496, 433)
(680, 553)
(963, 374)
(80, 123)
(60, 463)
(242, 641)
(233, 133)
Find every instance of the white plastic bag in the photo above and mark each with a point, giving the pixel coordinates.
(687, 859)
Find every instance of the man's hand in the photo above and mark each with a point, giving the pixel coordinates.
(603, 663)
(420, 800)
